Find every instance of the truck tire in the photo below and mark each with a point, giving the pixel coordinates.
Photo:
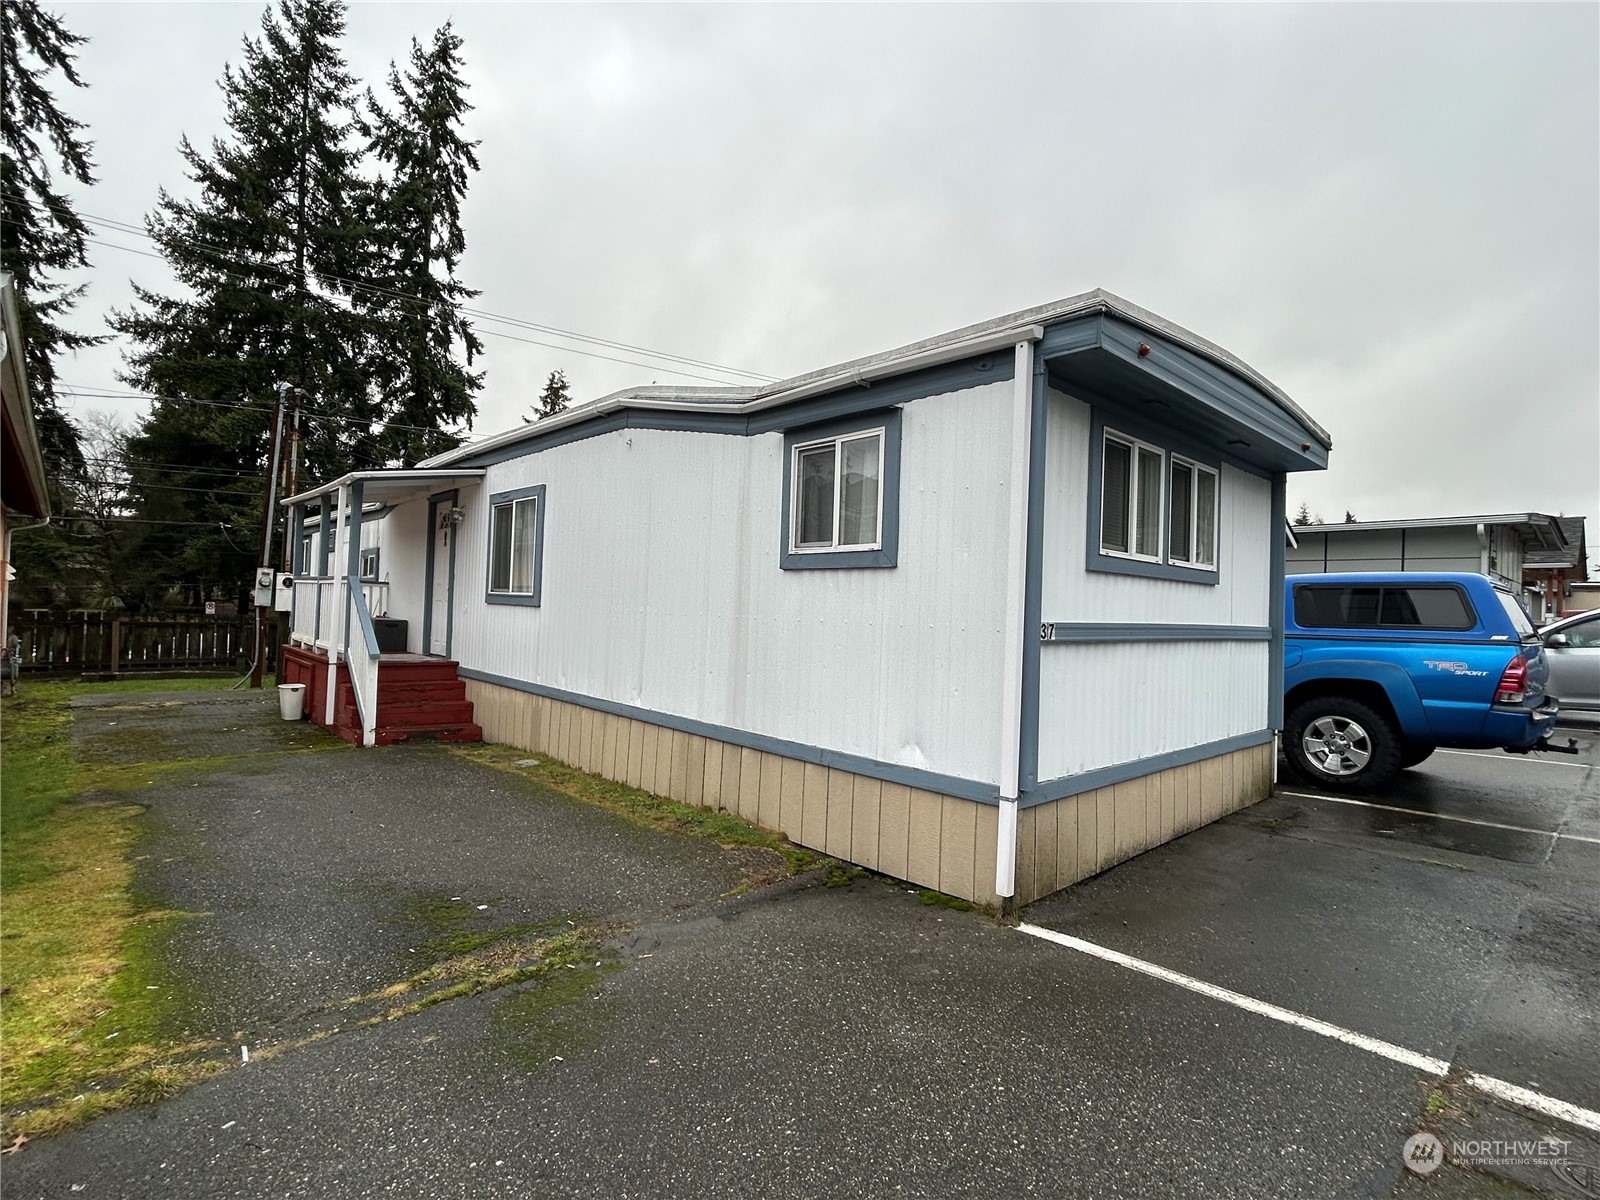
(1341, 744)
(1414, 754)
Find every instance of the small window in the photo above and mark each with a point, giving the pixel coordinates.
(305, 554)
(1192, 515)
(837, 503)
(1130, 498)
(511, 541)
(369, 565)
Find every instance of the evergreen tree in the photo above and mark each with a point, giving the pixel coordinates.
(265, 253)
(40, 233)
(1303, 515)
(556, 396)
(423, 348)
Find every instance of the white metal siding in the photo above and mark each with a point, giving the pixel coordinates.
(1104, 704)
(661, 589)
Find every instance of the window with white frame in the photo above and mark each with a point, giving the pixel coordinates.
(511, 546)
(1192, 515)
(369, 564)
(1130, 498)
(837, 501)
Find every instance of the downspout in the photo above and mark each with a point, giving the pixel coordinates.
(1483, 549)
(1011, 711)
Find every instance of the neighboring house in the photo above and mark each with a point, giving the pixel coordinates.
(989, 612)
(1548, 575)
(1495, 546)
(22, 480)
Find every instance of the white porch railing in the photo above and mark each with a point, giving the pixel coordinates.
(315, 602)
(335, 616)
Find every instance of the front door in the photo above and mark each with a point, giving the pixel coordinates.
(439, 565)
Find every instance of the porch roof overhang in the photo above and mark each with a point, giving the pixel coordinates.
(392, 487)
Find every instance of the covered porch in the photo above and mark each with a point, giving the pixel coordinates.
(364, 682)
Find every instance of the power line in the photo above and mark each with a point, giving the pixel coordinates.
(72, 389)
(481, 314)
(149, 521)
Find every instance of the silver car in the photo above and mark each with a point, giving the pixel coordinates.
(1572, 648)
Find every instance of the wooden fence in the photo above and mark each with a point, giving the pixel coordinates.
(131, 644)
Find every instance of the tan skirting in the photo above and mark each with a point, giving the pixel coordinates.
(935, 841)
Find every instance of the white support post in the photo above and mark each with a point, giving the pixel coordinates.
(1005, 864)
(336, 563)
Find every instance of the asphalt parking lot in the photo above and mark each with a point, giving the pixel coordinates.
(809, 1041)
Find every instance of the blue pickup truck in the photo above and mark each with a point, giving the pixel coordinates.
(1381, 668)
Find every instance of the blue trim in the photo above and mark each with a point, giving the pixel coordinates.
(889, 550)
(948, 785)
(362, 553)
(1093, 631)
(1100, 352)
(1275, 605)
(427, 574)
(1033, 579)
(531, 599)
(1087, 781)
(352, 566)
(843, 402)
(325, 540)
(1112, 564)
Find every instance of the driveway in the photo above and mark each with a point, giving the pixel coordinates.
(808, 1041)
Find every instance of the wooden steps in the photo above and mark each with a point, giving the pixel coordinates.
(419, 699)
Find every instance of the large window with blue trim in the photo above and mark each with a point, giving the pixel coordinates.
(516, 546)
(1153, 509)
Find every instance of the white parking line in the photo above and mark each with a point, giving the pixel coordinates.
(1538, 1102)
(1412, 812)
(1516, 758)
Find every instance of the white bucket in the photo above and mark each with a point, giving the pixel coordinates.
(292, 701)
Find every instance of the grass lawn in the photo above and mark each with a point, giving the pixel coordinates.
(83, 1009)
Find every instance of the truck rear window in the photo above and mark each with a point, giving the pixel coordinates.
(1410, 606)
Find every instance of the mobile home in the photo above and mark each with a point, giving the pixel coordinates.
(988, 612)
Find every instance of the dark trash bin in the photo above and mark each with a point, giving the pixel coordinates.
(391, 635)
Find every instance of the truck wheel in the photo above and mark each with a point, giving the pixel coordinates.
(1414, 754)
(1339, 743)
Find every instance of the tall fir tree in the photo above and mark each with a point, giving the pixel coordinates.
(41, 235)
(422, 347)
(265, 252)
(42, 238)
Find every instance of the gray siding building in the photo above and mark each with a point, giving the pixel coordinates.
(1495, 546)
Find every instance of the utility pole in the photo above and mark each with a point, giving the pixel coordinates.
(265, 563)
(291, 533)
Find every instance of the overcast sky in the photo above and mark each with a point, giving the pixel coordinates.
(1391, 212)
